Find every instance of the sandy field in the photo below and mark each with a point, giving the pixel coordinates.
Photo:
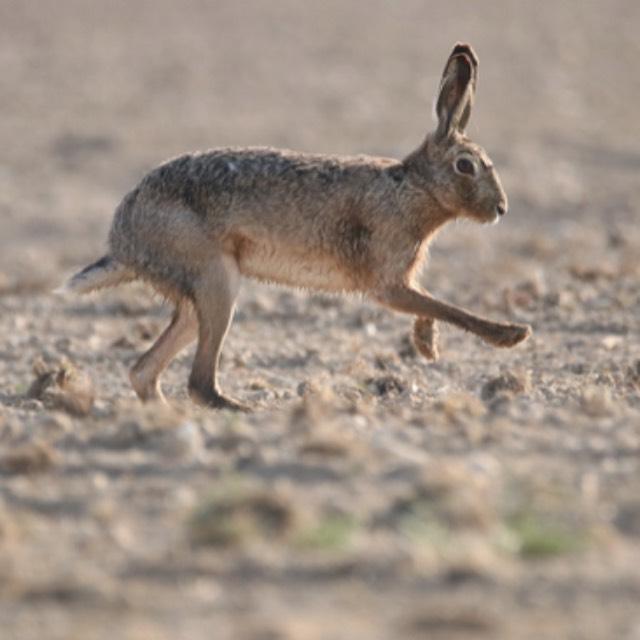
(370, 494)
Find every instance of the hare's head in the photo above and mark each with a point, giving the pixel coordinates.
(461, 175)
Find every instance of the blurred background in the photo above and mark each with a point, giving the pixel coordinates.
(371, 494)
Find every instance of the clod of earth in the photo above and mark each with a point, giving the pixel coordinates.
(510, 383)
(32, 457)
(62, 386)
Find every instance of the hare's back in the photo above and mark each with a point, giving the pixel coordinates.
(251, 183)
(288, 217)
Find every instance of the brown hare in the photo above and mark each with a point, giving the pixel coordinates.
(197, 223)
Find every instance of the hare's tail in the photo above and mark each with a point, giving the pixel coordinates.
(106, 272)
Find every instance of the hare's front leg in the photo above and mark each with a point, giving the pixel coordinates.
(425, 337)
(215, 292)
(407, 300)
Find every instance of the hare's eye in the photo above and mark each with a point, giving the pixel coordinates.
(465, 166)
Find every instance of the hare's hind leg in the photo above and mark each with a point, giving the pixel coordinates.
(425, 337)
(146, 372)
(214, 299)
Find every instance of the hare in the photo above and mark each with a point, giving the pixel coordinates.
(196, 224)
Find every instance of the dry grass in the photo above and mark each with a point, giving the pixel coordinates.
(234, 514)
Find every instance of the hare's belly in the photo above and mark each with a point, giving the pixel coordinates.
(294, 268)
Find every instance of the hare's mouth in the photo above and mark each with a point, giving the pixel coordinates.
(489, 218)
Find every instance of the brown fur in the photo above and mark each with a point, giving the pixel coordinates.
(327, 223)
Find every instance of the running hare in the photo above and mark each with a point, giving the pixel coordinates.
(197, 223)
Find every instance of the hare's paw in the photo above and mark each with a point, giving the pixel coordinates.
(215, 400)
(508, 335)
(425, 338)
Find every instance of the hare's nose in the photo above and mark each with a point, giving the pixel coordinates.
(501, 209)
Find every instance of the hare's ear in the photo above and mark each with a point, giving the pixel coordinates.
(457, 89)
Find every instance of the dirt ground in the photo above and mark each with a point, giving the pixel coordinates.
(370, 494)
